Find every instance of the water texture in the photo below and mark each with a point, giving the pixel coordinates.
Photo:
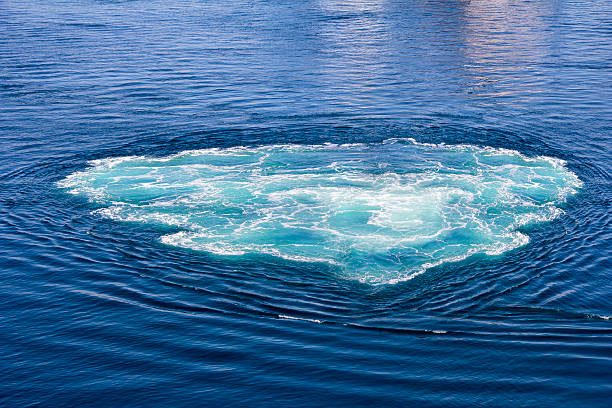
(383, 213)
(337, 203)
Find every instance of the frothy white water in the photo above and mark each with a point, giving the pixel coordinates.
(381, 213)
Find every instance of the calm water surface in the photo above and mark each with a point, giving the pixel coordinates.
(96, 311)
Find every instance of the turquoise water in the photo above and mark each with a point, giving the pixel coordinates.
(379, 213)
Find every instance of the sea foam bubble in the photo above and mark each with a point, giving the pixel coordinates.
(380, 213)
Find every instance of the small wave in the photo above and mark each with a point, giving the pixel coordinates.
(380, 213)
(285, 317)
(598, 316)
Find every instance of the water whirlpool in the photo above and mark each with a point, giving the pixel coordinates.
(380, 213)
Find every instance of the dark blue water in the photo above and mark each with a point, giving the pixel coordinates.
(97, 312)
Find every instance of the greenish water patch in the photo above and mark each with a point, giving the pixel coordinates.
(381, 213)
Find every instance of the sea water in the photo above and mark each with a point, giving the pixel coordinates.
(381, 212)
(305, 203)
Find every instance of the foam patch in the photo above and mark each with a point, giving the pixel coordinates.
(381, 213)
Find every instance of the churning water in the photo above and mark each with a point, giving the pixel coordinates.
(381, 212)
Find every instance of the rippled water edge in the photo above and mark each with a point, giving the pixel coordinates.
(524, 300)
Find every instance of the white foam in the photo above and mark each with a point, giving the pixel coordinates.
(300, 318)
(433, 204)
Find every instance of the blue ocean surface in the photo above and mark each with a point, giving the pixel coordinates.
(333, 203)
